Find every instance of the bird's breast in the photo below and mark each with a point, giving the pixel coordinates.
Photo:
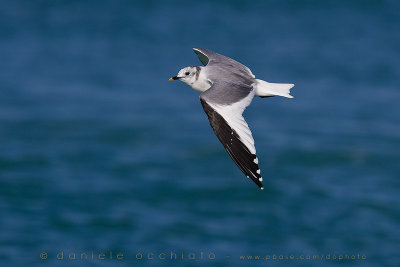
(201, 86)
(202, 83)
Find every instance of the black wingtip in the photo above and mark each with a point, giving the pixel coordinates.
(258, 183)
(202, 55)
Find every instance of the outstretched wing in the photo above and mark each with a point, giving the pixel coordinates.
(234, 133)
(209, 57)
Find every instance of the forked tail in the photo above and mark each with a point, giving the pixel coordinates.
(266, 89)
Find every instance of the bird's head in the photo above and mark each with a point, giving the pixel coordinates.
(186, 75)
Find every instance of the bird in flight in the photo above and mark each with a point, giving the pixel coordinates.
(227, 87)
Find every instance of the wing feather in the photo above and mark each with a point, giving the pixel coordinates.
(209, 57)
(233, 132)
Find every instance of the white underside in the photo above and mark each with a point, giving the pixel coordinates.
(202, 83)
(233, 115)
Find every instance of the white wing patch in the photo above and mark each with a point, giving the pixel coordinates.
(233, 115)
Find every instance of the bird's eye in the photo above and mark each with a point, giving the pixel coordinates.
(187, 73)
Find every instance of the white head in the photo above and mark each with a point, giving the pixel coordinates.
(188, 75)
(193, 77)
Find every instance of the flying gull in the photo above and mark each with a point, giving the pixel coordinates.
(227, 87)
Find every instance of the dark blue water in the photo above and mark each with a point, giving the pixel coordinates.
(99, 153)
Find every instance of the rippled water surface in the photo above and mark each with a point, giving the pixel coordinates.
(99, 153)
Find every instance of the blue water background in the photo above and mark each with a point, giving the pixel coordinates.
(99, 152)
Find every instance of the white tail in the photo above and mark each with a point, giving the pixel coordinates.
(265, 89)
